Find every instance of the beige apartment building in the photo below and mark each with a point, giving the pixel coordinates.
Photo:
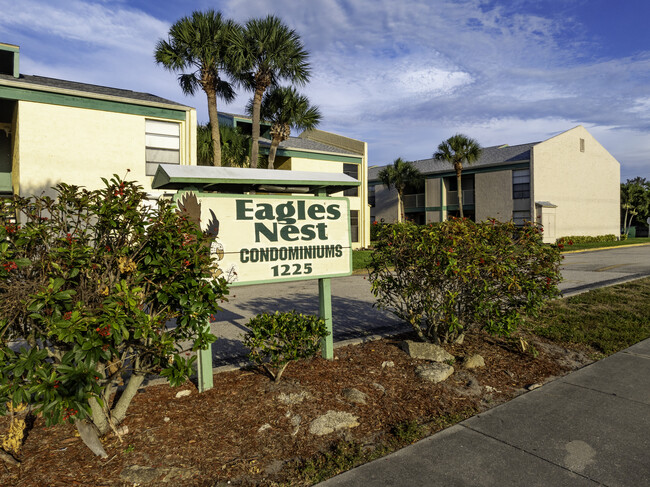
(54, 130)
(569, 183)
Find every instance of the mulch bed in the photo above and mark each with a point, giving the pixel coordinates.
(212, 438)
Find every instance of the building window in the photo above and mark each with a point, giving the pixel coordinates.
(163, 144)
(354, 225)
(371, 195)
(521, 184)
(520, 217)
(351, 170)
(582, 145)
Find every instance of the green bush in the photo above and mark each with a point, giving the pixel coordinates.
(89, 282)
(586, 239)
(458, 276)
(274, 340)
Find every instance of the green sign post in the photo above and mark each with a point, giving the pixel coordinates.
(265, 238)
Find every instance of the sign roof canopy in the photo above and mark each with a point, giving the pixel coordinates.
(240, 180)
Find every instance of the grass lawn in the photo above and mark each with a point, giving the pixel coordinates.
(361, 259)
(605, 320)
(617, 243)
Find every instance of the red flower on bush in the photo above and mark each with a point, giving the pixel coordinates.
(10, 266)
(68, 315)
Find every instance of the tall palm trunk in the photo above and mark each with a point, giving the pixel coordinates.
(213, 115)
(460, 192)
(275, 142)
(400, 203)
(257, 103)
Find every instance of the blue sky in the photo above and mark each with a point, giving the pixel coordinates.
(400, 75)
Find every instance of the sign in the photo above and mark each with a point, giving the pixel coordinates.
(273, 238)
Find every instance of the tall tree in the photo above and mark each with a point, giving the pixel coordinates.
(400, 175)
(635, 201)
(200, 47)
(286, 109)
(268, 52)
(456, 150)
(235, 146)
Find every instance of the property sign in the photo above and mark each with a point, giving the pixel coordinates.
(273, 238)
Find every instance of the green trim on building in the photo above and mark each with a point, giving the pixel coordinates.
(23, 94)
(315, 155)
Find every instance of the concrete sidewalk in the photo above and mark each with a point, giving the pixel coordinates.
(591, 427)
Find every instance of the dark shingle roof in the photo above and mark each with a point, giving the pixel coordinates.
(35, 81)
(490, 156)
(308, 144)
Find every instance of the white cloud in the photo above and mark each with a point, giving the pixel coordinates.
(400, 75)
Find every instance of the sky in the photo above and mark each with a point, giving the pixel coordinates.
(400, 75)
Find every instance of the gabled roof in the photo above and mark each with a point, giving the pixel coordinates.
(59, 85)
(490, 156)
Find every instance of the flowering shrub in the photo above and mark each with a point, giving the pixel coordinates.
(457, 276)
(89, 282)
(276, 339)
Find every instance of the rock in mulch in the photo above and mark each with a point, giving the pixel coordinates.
(379, 387)
(184, 393)
(387, 364)
(435, 372)
(354, 395)
(332, 421)
(293, 397)
(474, 361)
(426, 351)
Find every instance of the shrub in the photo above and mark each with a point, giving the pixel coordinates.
(586, 239)
(457, 276)
(89, 282)
(276, 339)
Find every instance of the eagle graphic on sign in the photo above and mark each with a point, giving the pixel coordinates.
(190, 207)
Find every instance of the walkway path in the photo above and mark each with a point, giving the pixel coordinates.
(591, 427)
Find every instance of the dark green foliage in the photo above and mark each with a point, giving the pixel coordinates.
(586, 239)
(274, 340)
(89, 282)
(458, 276)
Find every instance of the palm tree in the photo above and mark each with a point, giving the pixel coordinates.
(286, 109)
(235, 146)
(400, 175)
(200, 48)
(635, 200)
(268, 52)
(456, 150)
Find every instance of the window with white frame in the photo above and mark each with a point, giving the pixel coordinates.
(163, 144)
(521, 184)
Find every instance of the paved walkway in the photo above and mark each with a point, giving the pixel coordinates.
(591, 427)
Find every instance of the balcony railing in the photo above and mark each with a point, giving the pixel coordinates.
(468, 197)
(414, 200)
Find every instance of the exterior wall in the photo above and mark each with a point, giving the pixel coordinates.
(80, 146)
(386, 206)
(583, 185)
(433, 200)
(493, 195)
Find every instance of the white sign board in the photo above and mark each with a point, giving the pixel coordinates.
(274, 238)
